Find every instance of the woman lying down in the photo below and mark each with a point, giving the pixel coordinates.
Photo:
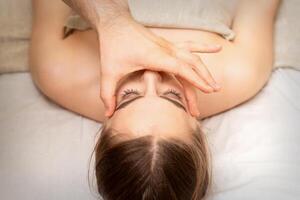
(154, 89)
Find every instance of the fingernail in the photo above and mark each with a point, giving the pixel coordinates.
(215, 86)
(107, 113)
(210, 90)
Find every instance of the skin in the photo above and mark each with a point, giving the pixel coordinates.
(116, 30)
(164, 93)
(67, 70)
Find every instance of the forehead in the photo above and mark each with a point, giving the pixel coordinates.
(151, 115)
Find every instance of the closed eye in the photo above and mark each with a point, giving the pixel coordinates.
(173, 93)
(129, 92)
(174, 102)
(134, 94)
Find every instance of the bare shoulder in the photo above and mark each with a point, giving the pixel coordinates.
(245, 65)
(66, 70)
(240, 77)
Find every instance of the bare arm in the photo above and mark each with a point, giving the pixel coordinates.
(117, 31)
(66, 69)
(254, 27)
(62, 68)
(246, 67)
(99, 12)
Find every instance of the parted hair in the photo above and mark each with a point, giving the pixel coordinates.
(151, 167)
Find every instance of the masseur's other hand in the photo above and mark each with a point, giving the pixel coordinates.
(126, 47)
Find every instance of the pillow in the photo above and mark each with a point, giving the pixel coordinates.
(287, 37)
(15, 20)
(216, 16)
(209, 15)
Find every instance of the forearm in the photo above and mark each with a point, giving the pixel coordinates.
(100, 13)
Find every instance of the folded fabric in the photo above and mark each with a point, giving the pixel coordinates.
(15, 30)
(287, 35)
(75, 22)
(209, 15)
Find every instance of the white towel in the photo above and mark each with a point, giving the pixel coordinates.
(209, 15)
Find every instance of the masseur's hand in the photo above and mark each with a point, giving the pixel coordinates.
(126, 47)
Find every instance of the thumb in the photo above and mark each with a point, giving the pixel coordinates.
(107, 94)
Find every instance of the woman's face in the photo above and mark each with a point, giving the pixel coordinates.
(152, 103)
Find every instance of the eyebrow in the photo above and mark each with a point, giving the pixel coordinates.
(123, 105)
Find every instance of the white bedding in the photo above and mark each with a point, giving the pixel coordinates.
(44, 149)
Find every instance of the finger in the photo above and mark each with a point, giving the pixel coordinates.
(199, 47)
(198, 66)
(107, 94)
(189, 74)
(191, 97)
(183, 70)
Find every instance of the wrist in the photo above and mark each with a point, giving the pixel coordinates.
(112, 15)
(111, 9)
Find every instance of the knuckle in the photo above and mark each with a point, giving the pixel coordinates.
(176, 63)
(172, 51)
(177, 68)
(188, 44)
(197, 58)
(196, 61)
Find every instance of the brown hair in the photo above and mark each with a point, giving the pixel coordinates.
(151, 168)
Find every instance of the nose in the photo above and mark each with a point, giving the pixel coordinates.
(151, 80)
(151, 76)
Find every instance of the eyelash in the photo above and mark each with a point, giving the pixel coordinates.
(136, 92)
(174, 92)
(130, 91)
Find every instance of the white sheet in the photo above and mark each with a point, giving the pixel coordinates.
(256, 146)
(44, 149)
